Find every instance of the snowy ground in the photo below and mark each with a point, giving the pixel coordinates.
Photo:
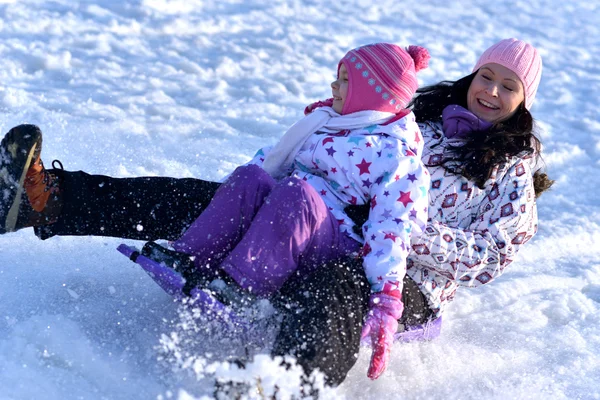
(193, 88)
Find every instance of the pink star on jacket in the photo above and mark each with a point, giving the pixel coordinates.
(365, 250)
(404, 198)
(353, 200)
(364, 167)
(323, 192)
(334, 170)
(328, 139)
(392, 288)
(417, 137)
(390, 236)
(373, 202)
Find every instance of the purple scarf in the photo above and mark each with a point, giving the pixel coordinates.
(458, 122)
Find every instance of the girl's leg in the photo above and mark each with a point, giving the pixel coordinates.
(145, 208)
(228, 216)
(292, 232)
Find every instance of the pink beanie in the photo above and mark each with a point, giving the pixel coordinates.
(521, 58)
(382, 76)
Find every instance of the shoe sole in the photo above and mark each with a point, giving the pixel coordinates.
(17, 160)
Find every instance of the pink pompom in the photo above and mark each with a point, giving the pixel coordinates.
(420, 55)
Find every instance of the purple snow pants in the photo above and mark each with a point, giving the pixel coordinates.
(261, 232)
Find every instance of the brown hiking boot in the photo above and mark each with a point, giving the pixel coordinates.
(29, 195)
(39, 184)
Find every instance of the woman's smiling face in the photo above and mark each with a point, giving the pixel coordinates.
(495, 93)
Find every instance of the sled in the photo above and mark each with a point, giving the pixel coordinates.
(427, 331)
(173, 283)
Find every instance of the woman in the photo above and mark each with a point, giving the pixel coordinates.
(482, 156)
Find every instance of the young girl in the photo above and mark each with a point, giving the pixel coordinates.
(263, 224)
(361, 147)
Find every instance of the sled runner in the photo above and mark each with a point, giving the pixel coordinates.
(172, 282)
(167, 278)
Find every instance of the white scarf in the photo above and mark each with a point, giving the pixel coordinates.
(323, 119)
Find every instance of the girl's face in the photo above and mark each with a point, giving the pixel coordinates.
(495, 93)
(339, 89)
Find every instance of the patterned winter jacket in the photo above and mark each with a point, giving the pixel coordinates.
(472, 235)
(379, 165)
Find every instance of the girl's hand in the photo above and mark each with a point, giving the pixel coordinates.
(380, 326)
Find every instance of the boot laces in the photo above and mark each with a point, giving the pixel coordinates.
(39, 183)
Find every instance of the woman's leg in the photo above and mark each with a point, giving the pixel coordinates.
(323, 315)
(145, 208)
(57, 202)
(293, 232)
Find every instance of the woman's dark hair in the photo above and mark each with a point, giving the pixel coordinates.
(484, 150)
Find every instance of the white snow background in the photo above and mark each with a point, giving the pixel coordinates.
(191, 88)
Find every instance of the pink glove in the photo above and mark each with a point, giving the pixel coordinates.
(381, 325)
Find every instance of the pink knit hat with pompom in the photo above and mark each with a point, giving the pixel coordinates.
(521, 58)
(382, 76)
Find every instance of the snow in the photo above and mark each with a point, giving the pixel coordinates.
(191, 89)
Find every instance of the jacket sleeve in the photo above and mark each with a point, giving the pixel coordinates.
(475, 256)
(398, 207)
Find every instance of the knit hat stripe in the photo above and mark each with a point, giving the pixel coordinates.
(398, 75)
(392, 79)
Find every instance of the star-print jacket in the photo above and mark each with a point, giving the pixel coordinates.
(472, 234)
(378, 165)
